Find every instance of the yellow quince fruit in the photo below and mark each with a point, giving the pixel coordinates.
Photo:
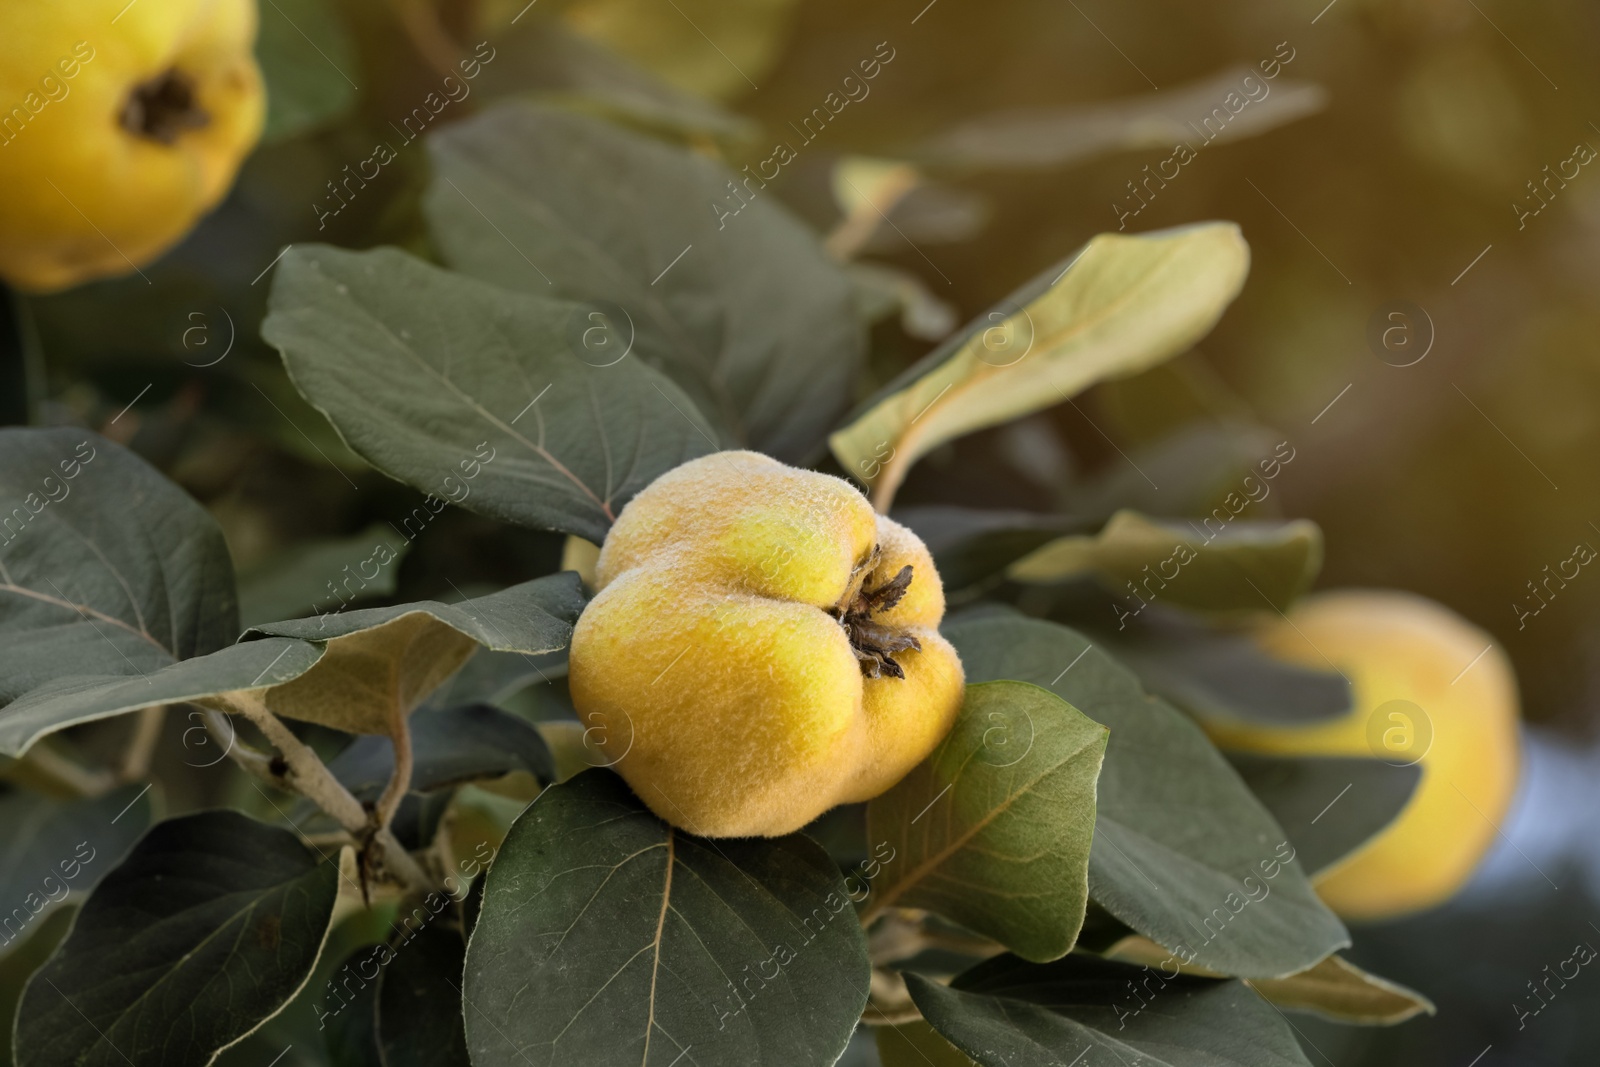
(763, 646)
(1429, 688)
(120, 125)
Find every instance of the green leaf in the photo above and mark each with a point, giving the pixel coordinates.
(677, 42)
(1055, 137)
(546, 57)
(1009, 1013)
(420, 1021)
(1177, 833)
(745, 311)
(1006, 805)
(970, 545)
(379, 663)
(607, 936)
(305, 576)
(1223, 676)
(106, 567)
(1245, 565)
(72, 699)
(1337, 989)
(1334, 988)
(916, 1044)
(205, 931)
(18, 966)
(471, 393)
(1328, 805)
(453, 745)
(1118, 306)
(55, 852)
(307, 60)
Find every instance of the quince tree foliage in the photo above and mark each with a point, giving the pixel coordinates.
(809, 773)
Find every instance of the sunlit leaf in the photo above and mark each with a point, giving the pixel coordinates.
(1242, 565)
(1118, 306)
(993, 829)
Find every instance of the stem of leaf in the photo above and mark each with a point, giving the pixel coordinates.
(400, 780)
(142, 745)
(58, 772)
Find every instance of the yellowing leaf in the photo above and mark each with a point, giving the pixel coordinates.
(1123, 304)
(1333, 988)
(702, 46)
(367, 679)
(1242, 565)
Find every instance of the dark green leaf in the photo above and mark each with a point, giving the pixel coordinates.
(970, 545)
(740, 306)
(307, 60)
(1009, 1013)
(1059, 136)
(381, 662)
(1328, 805)
(420, 1023)
(607, 936)
(350, 1029)
(916, 1044)
(54, 852)
(321, 575)
(545, 56)
(1244, 565)
(474, 394)
(1221, 675)
(1177, 832)
(1006, 804)
(453, 745)
(73, 699)
(206, 930)
(106, 567)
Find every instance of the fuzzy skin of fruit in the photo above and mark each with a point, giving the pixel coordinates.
(714, 670)
(115, 137)
(1394, 646)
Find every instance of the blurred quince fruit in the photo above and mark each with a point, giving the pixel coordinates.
(763, 646)
(120, 125)
(1429, 688)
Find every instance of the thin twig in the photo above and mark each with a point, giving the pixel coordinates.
(142, 745)
(427, 34)
(56, 770)
(306, 774)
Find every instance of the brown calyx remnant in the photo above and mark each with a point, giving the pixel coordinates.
(874, 643)
(163, 108)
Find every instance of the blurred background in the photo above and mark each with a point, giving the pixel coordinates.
(1420, 321)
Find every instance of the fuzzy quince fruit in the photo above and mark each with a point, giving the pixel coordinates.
(120, 124)
(1415, 700)
(762, 647)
